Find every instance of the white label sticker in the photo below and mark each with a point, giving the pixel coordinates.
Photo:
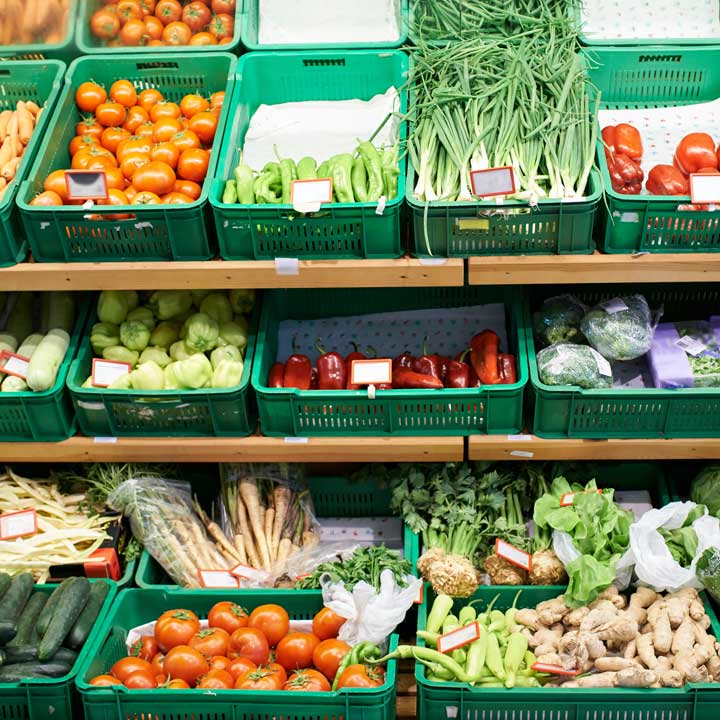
(296, 440)
(705, 188)
(522, 453)
(433, 262)
(602, 364)
(492, 182)
(613, 306)
(308, 195)
(18, 524)
(512, 554)
(104, 440)
(519, 438)
(458, 638)
(567, 499)
(246, 572)
(15, 364)
(364, 372)
(86, 184)
(287, 266)
(217, 579)
(105, 372)
(630, 217)
(380, 209)
(692, 346)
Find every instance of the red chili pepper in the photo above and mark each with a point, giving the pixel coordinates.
(458, 372)
(406, 360)
(428, 364)
(623, 139)
(354, 355)
(484, 356)
(474, 379)
(275, 376)
(298, 372)
(332, 373)
(506, 369)
(667, 180)
(409, 379)
(695, 151)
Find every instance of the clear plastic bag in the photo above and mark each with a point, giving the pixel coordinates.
(558, 321)
(567, 364)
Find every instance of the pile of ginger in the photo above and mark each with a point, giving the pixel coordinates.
(650, 641)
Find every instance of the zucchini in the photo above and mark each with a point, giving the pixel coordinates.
(46, 360)
(29, 654)
(64, 617)
(46, 614)
(4, 583)
(12, 605)
(85, 623)
(29, 619)
(20, 671)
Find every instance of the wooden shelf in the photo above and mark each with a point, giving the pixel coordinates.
(595, 268)
(220, 274)
(251, 449)
(530, 447)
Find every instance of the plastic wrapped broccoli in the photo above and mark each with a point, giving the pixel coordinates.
(621, 328)
(568, 364)
(558, 320)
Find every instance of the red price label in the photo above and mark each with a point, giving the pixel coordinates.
(493, 181)
(16, 365)
(105, 372)
(458, 638)
(18, 524)
(371, 372)
(421, 595)
(513, 555)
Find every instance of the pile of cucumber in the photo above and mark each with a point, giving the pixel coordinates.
(40, 633)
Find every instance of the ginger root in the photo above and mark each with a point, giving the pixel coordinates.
(635, 677)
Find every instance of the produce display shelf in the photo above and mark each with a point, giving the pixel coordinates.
(227, 274)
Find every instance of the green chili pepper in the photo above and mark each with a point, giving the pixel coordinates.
(476, 655)
(404, 652)
(341, 175)
(359, 180)
(351, 658)
(244, 183)
(323, 170)
(493, 659)
(467, 615)
(459, 656)
(230, 193)
(373, 167)
(288, 173)
(390, 172)
(440, 610)
(450, 623)
(262, 189)
(516, 648)
(429, 638)
(307, 169)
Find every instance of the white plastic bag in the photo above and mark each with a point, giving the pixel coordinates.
(371, 615)
(654, 565)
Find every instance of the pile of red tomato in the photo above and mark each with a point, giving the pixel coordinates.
(151, 150)
(164, 22)
(255, 651)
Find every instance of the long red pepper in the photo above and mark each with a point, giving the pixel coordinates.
(484, 356)
(275, 376)
(428, 364)
(298, 371)
(332, 373)
(406, 360)
(405, 378)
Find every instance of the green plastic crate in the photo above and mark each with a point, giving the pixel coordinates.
(332, 497)
(250, 40)
(338, 230)
(56, 698)
(649, 77)
(181, 413)
(440, 701)
(493, 409)
(562, 412)
(24, 80)
(43, 416)
(135, 607)
(88, 44)
(64, 50)
(153, 232)
(464, 229)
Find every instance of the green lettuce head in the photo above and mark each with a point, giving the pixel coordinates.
(134, 335)
(705, 489)
(201, 332)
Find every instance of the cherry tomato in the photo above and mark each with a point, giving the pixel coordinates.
(204, 125)
(153, 27)
(159, 178)
(176, 198)
(176, 33)
(82, 142)
(328, 655)
(220, 7)
(126, 666)
(88, 96)
(136, 116)
(217, 680)
(211, 641)
(183, 661)
(326, 624)
(104, 24)
(148, 98)
(260, 679)
(133, 33)
(175, 627)
(141, 680)
(165, 152)
(123, 92)
(203, 38)
(113, 136)
(222, 26)
(361, 676)
(185, 140)
(217, 99)
(164, 110)
(193, 164)
(129, 10)
(193, 104)
(250, 643)
(104, 680)
(48, 198)
(159, 658)
(110, 114)
(220, 662)
(296, 649)
(168, 11)
(55, 182)
(193, 190)
(165, 129)
(89, 126)
(196, 15)
(240, 666)
(272, 620)
(307, 681)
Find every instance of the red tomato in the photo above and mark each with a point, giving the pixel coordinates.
(184, 662)
(165, 152)
(112, 137)
(88, 96)
(132, 162)
(159, 178)
(223, 6)
(159, 658)
(176, 198)
(203, 38)
(220, 662)
(217, 680)
(133, 33)
(176, 33)
(204, 125)
(123, 92)
(328, 655)
(186, 140)
(193, 190)
(153, 27)
(136, 116)
(104, 24)
(148, 98)
(250, 643)
(239, 666)
(296, 649)
(55, 182)
(278, 669)
(165, 128)
(164, 110)
(128, 665)
(146, 648)
(104, 681)
(193, 164)
(129, 10)
(260, 679)
(307, 681)
(48, 198)
(222, 26)
(110, 114)
(272, 620)
(196, 15)
(193, 104)
(211, 641)
(361, 676)
(141, 680)
(88, 126)
(177, 684)
(144, 197)
(217, 99)
(133, 144)
(82, 142)
(326, 624)
(168, 11)
(175, 627)
(96, 158)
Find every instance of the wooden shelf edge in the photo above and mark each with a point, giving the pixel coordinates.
(531, 447)
(595, 268)
(251, 449)
(225, 274)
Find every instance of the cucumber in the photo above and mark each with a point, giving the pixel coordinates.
(29, 654)
(64, 617)
(85, 623)
(4, 583)
(19, 671)
(28, 619)
(47, 613)
(12, 604)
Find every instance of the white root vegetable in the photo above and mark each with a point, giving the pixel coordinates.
(646, 650)
(613, 663)
(635, 678)
(662, 633)
(684, 637)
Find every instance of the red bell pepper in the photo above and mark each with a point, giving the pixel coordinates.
(623, 139)
(275, 376)
(458, 372)
(354, 355)
(406, 360)
(626, 175)
(506, 369)
(298, 371)
(409, 379)
(314, 383)
(484, 356)
(428, 364)
(332, 373)
(695, 152)
(667, 180)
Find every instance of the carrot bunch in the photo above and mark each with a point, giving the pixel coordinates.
(16, 129)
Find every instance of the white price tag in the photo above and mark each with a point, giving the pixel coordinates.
(287, 266)
(382, 202)
(104, 440)
(519, 438)
(18, 524)
(492, 182)
(218, 579)
(14, 364)
(365, 372)
(105, 372)
(613, 306)
(308, 195)
(567, 499)
(512, 554)
(692, 346)
(705, 188)
(86, 184)
(290, 440)
(522, 453)
(458, 638)
(602, 364)
(245, 572)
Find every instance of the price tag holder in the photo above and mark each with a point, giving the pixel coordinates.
(18, 524)
(602, 364)
(421, 595)
(569, 498)
(367, 372)
(493, 182)
(705, 188)
(458, 638)
(16, 365)
(553, 669)
(308, 195)
(692, 346)
(613, 306)
(513, 555)
(86, 184)
(105, 372)
(217, 579)
(245, 572)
